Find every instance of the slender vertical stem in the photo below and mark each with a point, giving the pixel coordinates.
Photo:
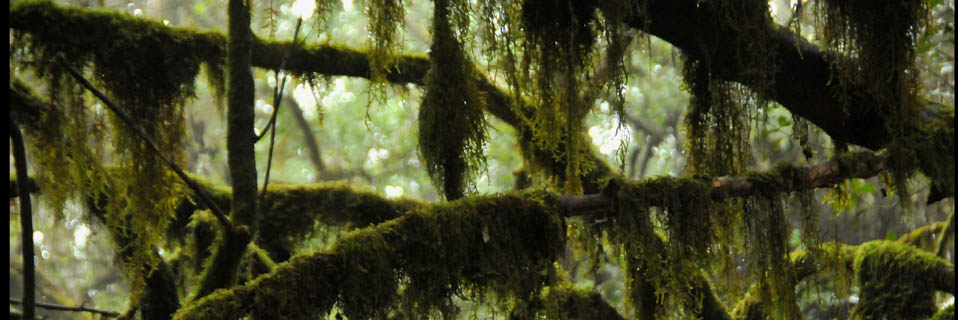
(277, 99)
(26, 223)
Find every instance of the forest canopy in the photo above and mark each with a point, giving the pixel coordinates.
(520, 159)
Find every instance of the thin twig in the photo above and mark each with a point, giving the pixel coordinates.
(281, 85)
(277, 99)
(139, 131)
(26, 223)
(51, 306)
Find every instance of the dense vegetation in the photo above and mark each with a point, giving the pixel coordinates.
(572, 159)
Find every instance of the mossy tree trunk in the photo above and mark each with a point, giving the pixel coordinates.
(241, 156)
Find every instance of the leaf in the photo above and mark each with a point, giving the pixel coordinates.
(783, 121)
(891, 236)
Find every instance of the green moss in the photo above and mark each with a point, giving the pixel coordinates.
(452, 130)
(291, 212)
(662, 269)
(504, 244)
(897, 280)
(148, 70)
(924, 237)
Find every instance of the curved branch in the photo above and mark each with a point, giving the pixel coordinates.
(26, 223)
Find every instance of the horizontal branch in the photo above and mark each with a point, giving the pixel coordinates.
(51, 306)
(783, 179)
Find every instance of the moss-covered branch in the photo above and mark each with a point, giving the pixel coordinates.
(504, 244)
(907, 275)
(783, 179)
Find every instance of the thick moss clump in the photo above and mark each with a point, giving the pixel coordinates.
(290, 212)
(452, 130)
(897, 279)
(503, 244)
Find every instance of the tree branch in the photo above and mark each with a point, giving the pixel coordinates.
(782, 180)
(26, 223)
(67, 308)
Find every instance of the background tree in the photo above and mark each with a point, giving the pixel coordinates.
(583, 159)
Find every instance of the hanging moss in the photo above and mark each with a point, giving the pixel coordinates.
(720, 112)
(877, 42)
(452, 130)
(897, 280)
(767, 252)
(717, 124)
(387, 18)
(546, 50)
(57, 133)
(664, 269)
(147, 69)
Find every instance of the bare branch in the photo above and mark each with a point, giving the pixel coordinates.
(67, 308)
